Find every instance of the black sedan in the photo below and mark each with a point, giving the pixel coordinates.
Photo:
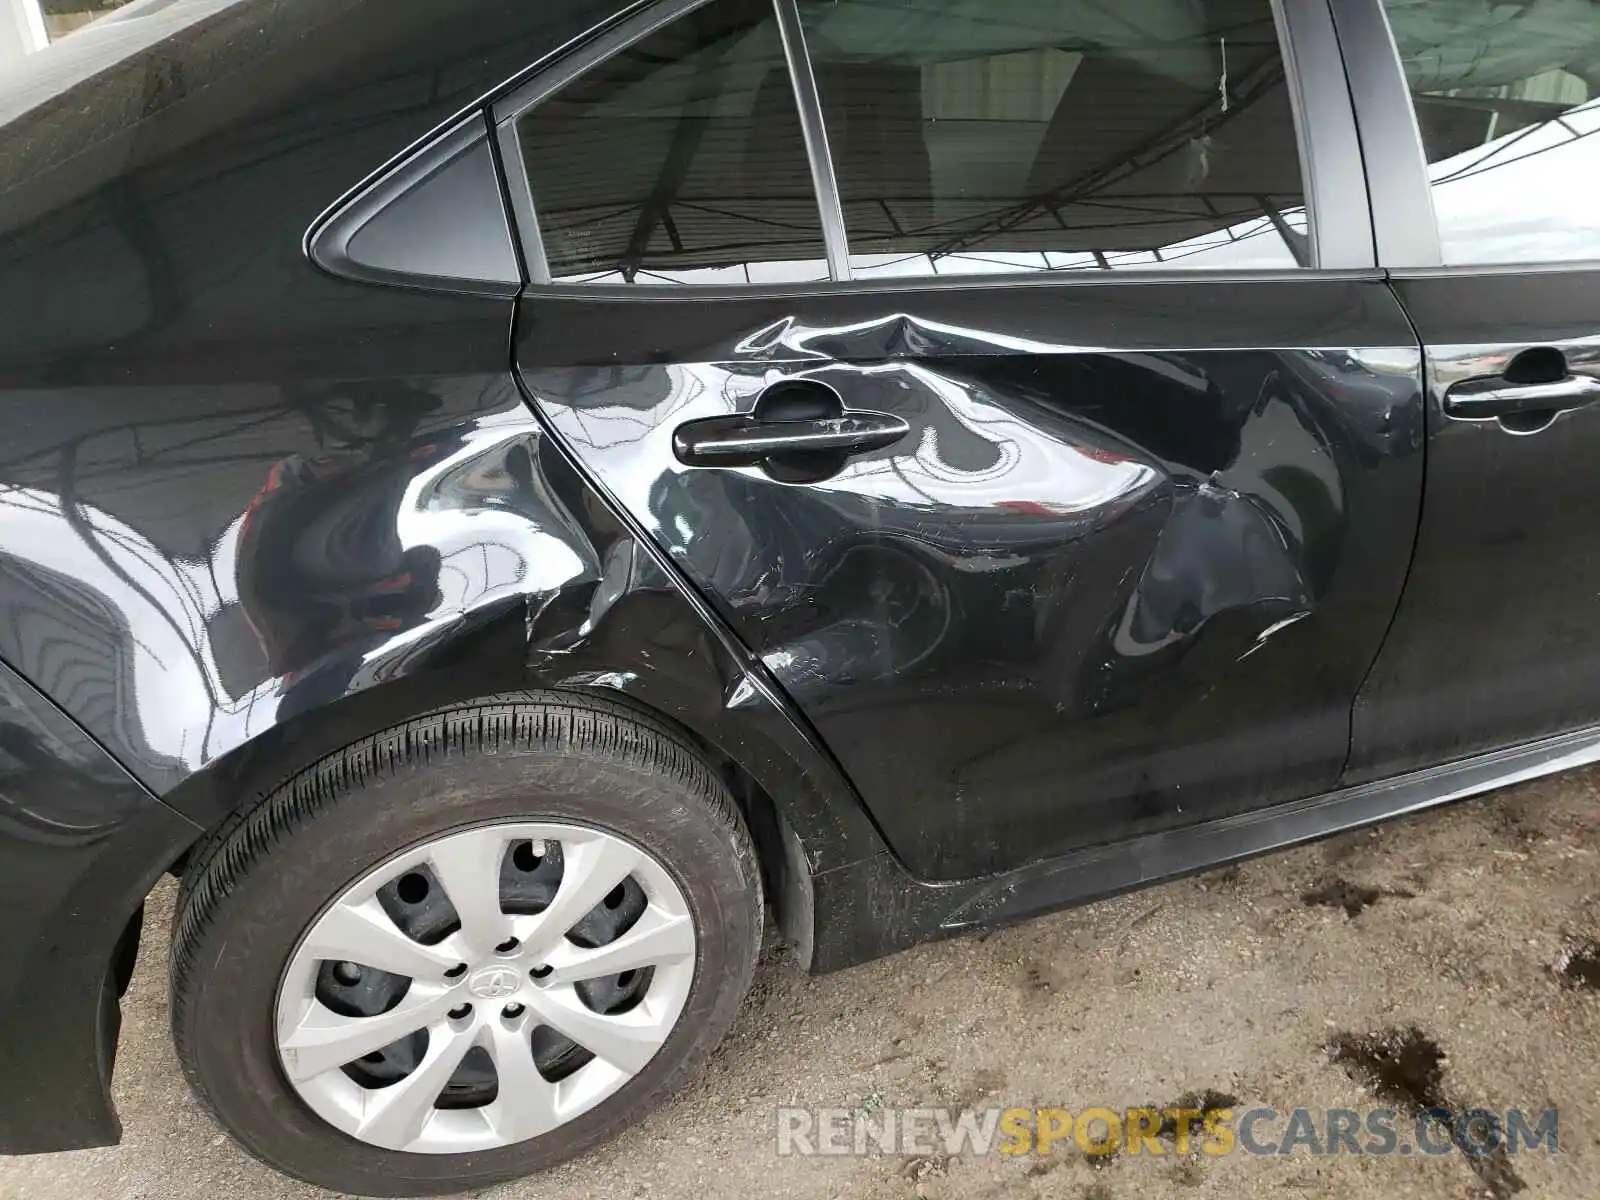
(497, 496)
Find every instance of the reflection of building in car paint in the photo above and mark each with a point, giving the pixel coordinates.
(341, 570)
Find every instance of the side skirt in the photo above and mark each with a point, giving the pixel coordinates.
(873, 908)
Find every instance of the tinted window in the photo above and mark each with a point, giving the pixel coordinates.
(1505, 97)
(657, 167)
(1006, 135)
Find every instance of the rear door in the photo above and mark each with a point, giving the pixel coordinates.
(1013, 378)
(1480, 127)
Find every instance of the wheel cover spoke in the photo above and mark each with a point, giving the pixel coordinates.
(468, 868)
(526, 1104)
(395, 1116)
(324, 1040)
(361, 932)
(654, 939)
(626, 1040)
(592, 868)
(487, 985)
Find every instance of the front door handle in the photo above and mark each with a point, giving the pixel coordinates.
(749, 441)
(1486, 399)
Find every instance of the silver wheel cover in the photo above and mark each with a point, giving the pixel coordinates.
(520, 973)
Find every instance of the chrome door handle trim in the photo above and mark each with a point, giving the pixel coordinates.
(747, 441)
(1487, 399)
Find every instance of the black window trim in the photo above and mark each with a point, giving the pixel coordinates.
(1325, 128)
(328, 240)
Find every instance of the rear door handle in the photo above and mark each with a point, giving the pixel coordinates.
(1485, 399)
(749, 441)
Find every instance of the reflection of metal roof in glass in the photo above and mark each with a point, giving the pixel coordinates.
(965, 138)
(1157, 133)
(1495, 84)
(1526, 143)
(1451, 44)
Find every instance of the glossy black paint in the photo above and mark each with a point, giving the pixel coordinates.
(250, 512)
(1093, 593)
(873, 911)
(520, 577)
(1495, 641)
(237, 490)
(80, 845)
(1097, 619)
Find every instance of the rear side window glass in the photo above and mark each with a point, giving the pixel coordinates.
(1506, 101)
(659, 166)
(983, 136)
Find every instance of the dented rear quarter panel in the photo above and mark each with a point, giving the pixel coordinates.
(251, 513)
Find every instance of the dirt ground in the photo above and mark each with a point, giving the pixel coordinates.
(1236, 983)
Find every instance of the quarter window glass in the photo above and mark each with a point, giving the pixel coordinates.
(657, 167)
(1506, 100)
(981, 136)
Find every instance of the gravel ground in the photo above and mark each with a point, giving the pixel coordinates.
(1236, 983)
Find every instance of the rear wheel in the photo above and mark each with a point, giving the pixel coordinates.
(465, 949)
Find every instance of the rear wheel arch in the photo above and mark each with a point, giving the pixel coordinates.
(781, 850)
(225, 792)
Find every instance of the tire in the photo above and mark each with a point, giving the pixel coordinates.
(262, 882)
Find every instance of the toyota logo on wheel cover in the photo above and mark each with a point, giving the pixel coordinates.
(494, 983)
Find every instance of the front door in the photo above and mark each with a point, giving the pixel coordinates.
(1037, 449)
(1490, 223)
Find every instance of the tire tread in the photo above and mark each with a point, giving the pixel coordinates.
(548, 722)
